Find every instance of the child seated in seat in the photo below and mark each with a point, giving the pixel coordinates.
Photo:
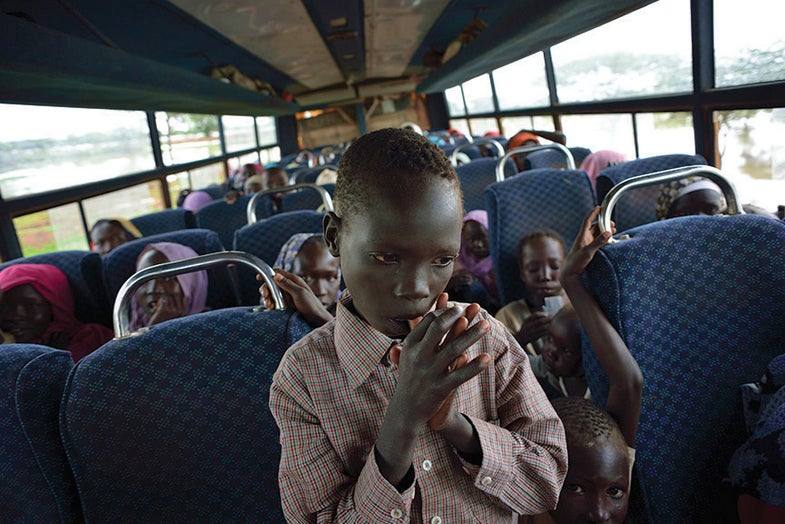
(473, 279)
(37, 307)
(309, 278)
(600, 444)
(163, 299)
(540, 257)
(407, 408)
(109, 233)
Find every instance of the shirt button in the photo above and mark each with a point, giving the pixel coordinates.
(436, 520)
(486, 481)
(426, 465)
(396, 513)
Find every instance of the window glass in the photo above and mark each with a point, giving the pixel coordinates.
(478, 95)
(598, 132)
(648, 51)
(749, 45)
(266, 131)
(752, 155)
(461, 125)
(187, 137)
(513, 124)
(665, 133)
(47, 148)
(270, 155)
(177, 183)
(209, 174)
(129, 202)
(239, 132)
(55, 229)
(522, 84)
(480, 126)
(454, 99)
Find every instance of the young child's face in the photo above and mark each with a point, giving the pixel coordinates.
(319, 269)
(475, 238)
(562, 349)
(701, 202)
(397, 255)
(106, 237)
(541, 259)
(596, 487)
(24, 313)
(154, 290)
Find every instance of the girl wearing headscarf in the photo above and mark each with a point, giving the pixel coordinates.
(689, 196)
(37, 307)
(473, 279)
(196, 200)
(167, 298)
(599, 160)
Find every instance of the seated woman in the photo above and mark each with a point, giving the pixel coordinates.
(473, 279)
(309, 278)
(167, 298)
(689, 196)
(108, 233)
(599, 160)
(196, 200)
(531, 138)
(37, 307)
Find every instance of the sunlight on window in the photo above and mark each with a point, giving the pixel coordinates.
(522, 84)
(598, 132)
(478, 95)
(239, 132)
(187, 137)
(454, 99)
(665, 133)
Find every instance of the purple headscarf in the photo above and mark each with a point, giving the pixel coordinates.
(482, 269)
(196, 200)
(599, 160)
(194, 284)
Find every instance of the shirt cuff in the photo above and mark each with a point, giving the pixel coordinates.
(497, 458)
(376, 500)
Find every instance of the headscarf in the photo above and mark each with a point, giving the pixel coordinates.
(678, 188)
(53, 286)
(196, 200)
(482, 269)
(599, 160)
(520, 138)
(193, 284)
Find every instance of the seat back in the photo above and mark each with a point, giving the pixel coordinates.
(476, 176)
(120, 264)
(304, 199)
(85, 275)
(214, 191)
(225, 218)
(36, 484)
(543, 198)
(265, 239)
(172, 425)
(553, 158)
(164, 221)
(639, 206)
(699, 302)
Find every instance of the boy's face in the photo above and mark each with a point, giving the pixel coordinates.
(541, 260)
(596, 487)
(319, 269)
(476, 239)
(397, 254)
(106, 237)
(562, 350)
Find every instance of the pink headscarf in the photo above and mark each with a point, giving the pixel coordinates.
(482, 269)
(196, 200)
(599, 160)
(194, 284)
(52, 284)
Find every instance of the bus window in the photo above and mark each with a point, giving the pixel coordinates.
(461, 124)
(480, 126)
(478, 95)
(49, 148)
(646, 52)
(751, 56)
(513, 124)
(454, 99)
(664, 133)
(177, 183)
(266, 131)
(239, 133)
(130, 202)
(56, 229)
(187, 137)
(207, 175)
(270, 155)
(613, 131)
(522, 84)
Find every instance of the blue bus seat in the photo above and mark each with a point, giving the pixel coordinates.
(85, 275)
(214, 191)
(699, 301)
(120, 264)
(173, 425)
(639, 206)
(556, 199)
(476, 176)
(265, 238)
(164, 221)
(36, 484)
(553, 159)
(225, 218)
(304, 199)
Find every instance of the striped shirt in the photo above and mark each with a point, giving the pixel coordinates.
(329, 396)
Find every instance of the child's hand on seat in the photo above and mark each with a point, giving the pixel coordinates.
(296, 295)
(588, 241)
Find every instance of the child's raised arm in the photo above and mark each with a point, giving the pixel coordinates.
(624, 375)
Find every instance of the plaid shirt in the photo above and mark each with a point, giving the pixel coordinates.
(329, 396)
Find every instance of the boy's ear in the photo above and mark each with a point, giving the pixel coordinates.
(331, 224)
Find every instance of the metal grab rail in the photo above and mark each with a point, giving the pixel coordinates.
(529, 149)
(327, 200)
(477, 141)
(120, 317)
(650, 179)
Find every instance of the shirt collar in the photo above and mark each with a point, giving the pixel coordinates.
(360, 348)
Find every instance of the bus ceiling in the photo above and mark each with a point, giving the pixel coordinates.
(162, 55)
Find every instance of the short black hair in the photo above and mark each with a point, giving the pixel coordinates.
(111, 221)
(539, 233)
(391, 162)
(586, 424)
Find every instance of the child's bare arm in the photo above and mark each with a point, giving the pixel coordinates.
(624, 375)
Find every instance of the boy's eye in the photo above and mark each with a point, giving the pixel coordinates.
(575, 488)
(555, 267)
(443, 261)
(616, 493)
(385, 258)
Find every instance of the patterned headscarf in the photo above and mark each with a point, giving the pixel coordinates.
(193, 284)
(678, 188)
(291, 249)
